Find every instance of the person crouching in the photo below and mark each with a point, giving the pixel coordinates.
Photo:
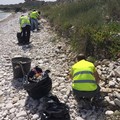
(85, 80)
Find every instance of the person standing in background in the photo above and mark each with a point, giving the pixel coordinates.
(25, 28)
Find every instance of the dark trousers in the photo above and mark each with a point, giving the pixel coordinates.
(86, 94)
(26, 34)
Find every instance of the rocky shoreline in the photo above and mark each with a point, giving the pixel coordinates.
(50, 52)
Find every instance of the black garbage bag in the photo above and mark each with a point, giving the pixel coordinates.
(55, 110)
(38, 88)
(20, 37)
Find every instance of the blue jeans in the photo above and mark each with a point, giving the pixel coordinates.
(34, 24)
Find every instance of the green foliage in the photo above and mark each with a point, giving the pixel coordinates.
(113, 9)
(104, 40)
(92, 25)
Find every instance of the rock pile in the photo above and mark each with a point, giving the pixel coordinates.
(110, 84)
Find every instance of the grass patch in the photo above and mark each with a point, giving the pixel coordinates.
(91, 25)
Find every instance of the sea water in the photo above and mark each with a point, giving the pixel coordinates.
(6, 2)
(4, 15)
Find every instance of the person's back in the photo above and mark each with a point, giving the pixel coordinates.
(25, 28)
(24, 20)
(83, 78)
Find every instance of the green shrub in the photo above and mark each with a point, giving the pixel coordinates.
(91, 25)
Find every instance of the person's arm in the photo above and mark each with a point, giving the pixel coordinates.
(70, 76)
(96, 75)
(19, 21)
(20, 24)
(37, 14)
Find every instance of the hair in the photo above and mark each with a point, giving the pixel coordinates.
(38, 69)
(39, 12)
(80, 57)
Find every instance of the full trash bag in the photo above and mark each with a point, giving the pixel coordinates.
(55, 110)
(37, 88)
(19, 37)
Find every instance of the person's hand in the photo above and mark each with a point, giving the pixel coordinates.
(67, 78)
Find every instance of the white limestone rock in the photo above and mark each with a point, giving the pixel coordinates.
(109, 112)
(117, 102)
(35, 117)
(21, 114)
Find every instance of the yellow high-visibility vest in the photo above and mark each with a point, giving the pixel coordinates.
(34, 14)
(24, 20)
(83, 79)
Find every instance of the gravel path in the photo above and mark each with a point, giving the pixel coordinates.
(43, 52)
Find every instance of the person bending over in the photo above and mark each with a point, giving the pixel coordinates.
(25, 28)
(34, 16)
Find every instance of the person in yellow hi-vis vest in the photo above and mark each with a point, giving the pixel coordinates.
(25, 28)
(85, 79)
(34, 16)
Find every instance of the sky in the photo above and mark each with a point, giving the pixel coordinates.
(46, 0)
(5, 2)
